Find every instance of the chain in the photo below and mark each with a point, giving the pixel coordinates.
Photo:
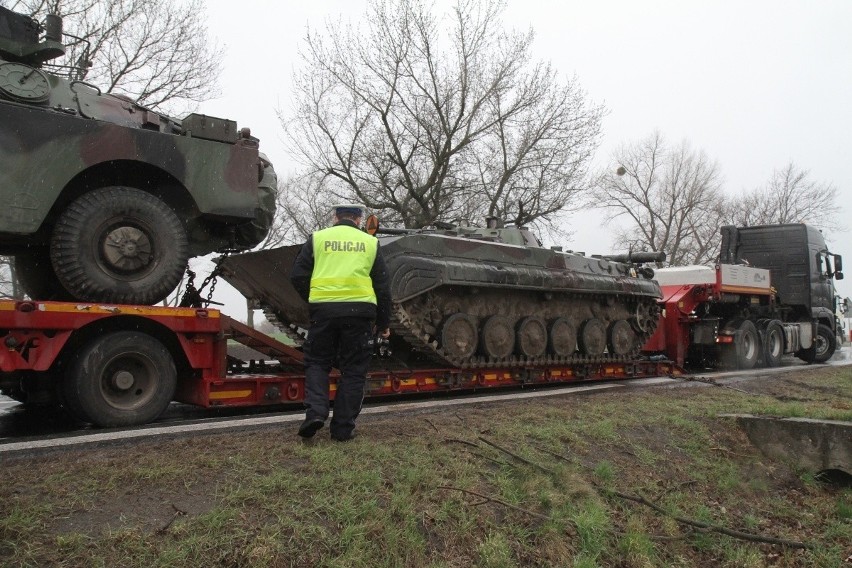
(192, 296)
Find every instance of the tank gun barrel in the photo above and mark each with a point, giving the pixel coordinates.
(637, 257)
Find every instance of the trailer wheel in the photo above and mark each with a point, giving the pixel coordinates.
(120, 379)
(773, 343)
(825, 345)
(119, 244)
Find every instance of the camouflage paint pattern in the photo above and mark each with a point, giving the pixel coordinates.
(60, 138)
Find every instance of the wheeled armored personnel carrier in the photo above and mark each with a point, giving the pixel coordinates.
(480, 297)
(105, 200)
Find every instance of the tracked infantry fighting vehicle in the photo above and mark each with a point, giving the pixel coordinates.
(105, 200)
(480, 297)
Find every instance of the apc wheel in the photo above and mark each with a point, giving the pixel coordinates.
(563, 337)
(498, 337)
(621, 339)
(36, 276)
(532, 337)
(773, 343)
(592, 338)
(121, 245)
(825, 344)
(120, 379)
(459, 336)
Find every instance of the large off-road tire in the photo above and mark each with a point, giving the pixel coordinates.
(36, 276)
(120, 245)
(120, 379)
(826, 344)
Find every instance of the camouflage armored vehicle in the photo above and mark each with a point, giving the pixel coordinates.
(493, 296)
(105, 200)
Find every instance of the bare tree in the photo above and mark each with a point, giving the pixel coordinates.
(302, 207)
(789, 196)
(425, 119)
(158, 53)
(670, 196)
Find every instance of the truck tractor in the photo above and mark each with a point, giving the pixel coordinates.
(105, 200)
(771, 293)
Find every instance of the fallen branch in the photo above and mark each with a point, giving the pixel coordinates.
(498, 501)
(432, 425)
(516, 456)
(554, 454)
(707, 526)
(178, 513)
(498, 462)
(713, 382)
(458, 441)
(668, 490)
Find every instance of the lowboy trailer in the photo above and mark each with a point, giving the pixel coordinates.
(122, 365)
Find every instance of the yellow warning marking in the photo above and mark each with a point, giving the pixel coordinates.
(94, 308)
(219, 395)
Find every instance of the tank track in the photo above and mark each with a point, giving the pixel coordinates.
(288, 329)
(411, 323)
(422, 335)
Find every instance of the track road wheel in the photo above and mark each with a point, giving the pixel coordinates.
(120, 379)
(459, 337)
(532, 337)
(621, 339)
(36, 276)
(825, 344)
(773, 343)
(498, 337)
(562, 339)
(592, 338)
(119, 244)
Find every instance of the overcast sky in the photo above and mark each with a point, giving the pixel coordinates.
(755, 84)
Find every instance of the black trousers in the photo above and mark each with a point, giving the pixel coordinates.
(349, 342)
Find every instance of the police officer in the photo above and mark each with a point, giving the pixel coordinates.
(341, 274)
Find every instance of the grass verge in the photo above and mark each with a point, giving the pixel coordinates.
(528, 483)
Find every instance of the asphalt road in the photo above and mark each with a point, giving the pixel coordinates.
(32, 429)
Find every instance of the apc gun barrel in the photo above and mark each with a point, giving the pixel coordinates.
(637, 257)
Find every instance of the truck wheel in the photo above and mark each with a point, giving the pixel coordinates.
(825, 344)
(36, 276)
(744, 352)
(121, 245)
(120, 379)
(773, 343)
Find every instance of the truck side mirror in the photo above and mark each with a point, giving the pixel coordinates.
(838, 275)
(838, 263)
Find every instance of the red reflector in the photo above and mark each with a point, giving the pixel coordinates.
(725, 339)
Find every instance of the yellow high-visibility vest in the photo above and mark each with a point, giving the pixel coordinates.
(343, 258)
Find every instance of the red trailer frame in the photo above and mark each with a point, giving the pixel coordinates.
(39, 335)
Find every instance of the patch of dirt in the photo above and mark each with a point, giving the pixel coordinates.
(150, 511)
